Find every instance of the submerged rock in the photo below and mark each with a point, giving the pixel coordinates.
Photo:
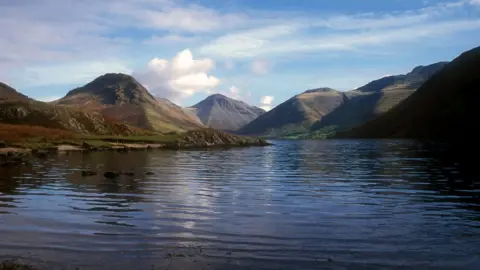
(111, 175)
(3, 144)
(11, 265)
(41, 153)
(88, 173)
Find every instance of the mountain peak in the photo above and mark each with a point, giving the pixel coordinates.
(110, 89)
(10, 94)
(217, 96)
(428, 70)
(222, 112)
(412, 80)
(320, 90)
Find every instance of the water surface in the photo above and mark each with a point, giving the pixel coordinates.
(293, 205)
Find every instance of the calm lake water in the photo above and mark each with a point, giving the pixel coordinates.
(293, 205)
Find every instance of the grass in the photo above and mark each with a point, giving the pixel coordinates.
(34, 134)
(38, 138)
(324, 133)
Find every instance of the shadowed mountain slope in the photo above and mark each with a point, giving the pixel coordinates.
(445, 107)
(377, 97)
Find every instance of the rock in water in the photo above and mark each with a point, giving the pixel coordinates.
(111, 175)
(88, 173)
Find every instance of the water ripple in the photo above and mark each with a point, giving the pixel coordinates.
(303, 205)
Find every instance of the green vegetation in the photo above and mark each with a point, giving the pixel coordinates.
(324, 133)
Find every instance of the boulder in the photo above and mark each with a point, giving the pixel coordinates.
(111, 175)
(86, 173)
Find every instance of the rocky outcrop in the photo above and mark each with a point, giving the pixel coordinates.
(214, 138)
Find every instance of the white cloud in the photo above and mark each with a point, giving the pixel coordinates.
(48, 98)
(171, 38)
(260, 67)
(344, 32)
(266, 102)
(179, 78)
(190, 19)
(234, 92)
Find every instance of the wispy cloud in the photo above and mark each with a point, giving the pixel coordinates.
(343, 32)
(70, 73)
(261, 67)
(54, 42)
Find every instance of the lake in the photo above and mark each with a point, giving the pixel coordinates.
(295, 205)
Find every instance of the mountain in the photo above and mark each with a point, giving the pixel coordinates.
(121, 98)
(444, 107)
(224, 113)
(16, 108)
(377, 97)
(7, 93)
(296, 114)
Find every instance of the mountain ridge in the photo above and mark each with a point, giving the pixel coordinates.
(221, 112)
(377, 97)
(444, 107)
(16, 108)
(296, 114)
(121, 98)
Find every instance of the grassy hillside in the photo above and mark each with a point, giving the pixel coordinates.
(377, 97)
(121, 98)
(18, 109)
(445, 107)
(297, 114)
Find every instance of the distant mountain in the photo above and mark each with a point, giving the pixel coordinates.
(16, 108)
(296, 114)
(221, 112)
(121, 98)
(444, 107)
(377, 97)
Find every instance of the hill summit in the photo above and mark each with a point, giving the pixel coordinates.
(221, 112)
(121, 98)
(110, 89)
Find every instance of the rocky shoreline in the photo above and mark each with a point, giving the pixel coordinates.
(203, 139)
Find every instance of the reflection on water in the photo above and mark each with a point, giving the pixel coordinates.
(294, 205)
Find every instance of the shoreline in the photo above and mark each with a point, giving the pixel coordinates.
(193, 140)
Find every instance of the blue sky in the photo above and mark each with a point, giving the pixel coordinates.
(262, 52)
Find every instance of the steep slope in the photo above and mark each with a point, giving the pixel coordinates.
(444, 107)
(16, 108)
(119, 97)
(221, 112)
(377, 97)
(296, 114)
(7, 93)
